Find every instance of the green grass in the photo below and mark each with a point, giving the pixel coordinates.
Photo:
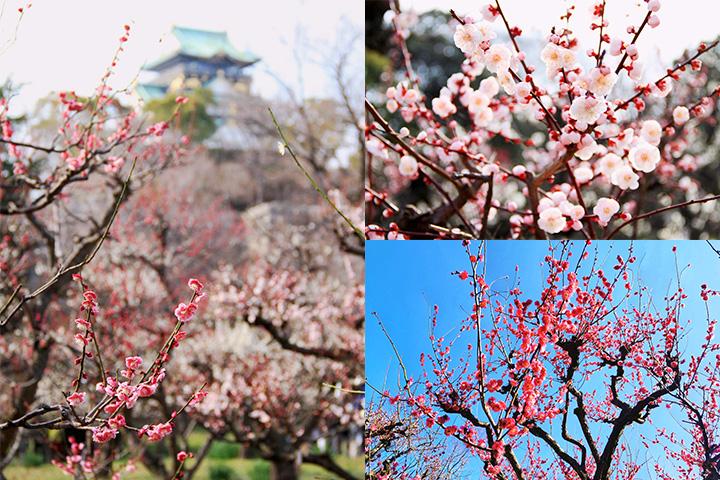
(245, 469)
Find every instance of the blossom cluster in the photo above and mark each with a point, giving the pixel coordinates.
(588, 350)
(583, 170)
(134, 382)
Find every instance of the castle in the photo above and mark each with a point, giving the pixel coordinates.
(200, 58)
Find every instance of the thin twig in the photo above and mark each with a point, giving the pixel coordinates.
(315, 185)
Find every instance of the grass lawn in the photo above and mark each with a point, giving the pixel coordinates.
(244, 469)
(222, 456)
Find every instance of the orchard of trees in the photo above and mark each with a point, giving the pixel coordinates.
(160, 303)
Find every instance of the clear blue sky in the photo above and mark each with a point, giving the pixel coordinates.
(405, 280)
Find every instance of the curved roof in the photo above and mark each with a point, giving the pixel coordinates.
(204, 44)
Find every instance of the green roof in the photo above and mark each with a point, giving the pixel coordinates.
(149, 91)
(206, 44)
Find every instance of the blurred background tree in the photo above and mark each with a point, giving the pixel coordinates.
(194, 119)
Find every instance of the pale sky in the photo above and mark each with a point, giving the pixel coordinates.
(683, 23)
(61, 45)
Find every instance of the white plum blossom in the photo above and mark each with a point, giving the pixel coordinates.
(558, 197)
(488, 13)
(408, 166)
(595, 139)
(519, 170)
(625, 178)
(609, 163)
(497, 58)
(574, 212)
(376, 148)
(583, 173)
(681, 115)
(523, 90)
(625, 139)
(483, 117)
(469, 37)
(651, 132)
(586, 150)
(552, 220)
(635, 72)
(477, 101)
(456, 82)
(556, 58)
(605, 209)
(506, 82)
(644, 157)
(653, 21)
(489, 86)
(404, 22)
(443, 106)
(587, 109)
(616, 47)
(601, 82)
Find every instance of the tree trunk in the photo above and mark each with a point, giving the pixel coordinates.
(24, 400)
(284, 468)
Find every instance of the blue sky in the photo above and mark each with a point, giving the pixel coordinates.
(405, 279)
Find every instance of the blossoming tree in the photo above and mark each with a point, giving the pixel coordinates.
(577, 380)
(577, 142)
(103, 339)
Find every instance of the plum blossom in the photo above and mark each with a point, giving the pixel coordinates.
(443, 105)
(681, 115)
(118, 421)
(469, 37)
(574, 212)
(114, 164)
(601, 81)
(489, 86)
(587, 109)
(484, 116)
(625, 178)
(497, 58)
(90, 302)
(654, 21)
(583, 173)
(157, 432)
(556, 58)
(158, 129)
(77, 398)
(651, 132)
(185, 312)
(552, 220)
(195, 285)
(133, 363)
(408, 166)
(609, 163)
(588, 147)
(576, 125)
(616, 47)
(477, 101)
(507, 82)
(644, 157)
(605, 209)
(103, 434)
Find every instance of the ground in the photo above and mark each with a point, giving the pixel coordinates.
(221, 455)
